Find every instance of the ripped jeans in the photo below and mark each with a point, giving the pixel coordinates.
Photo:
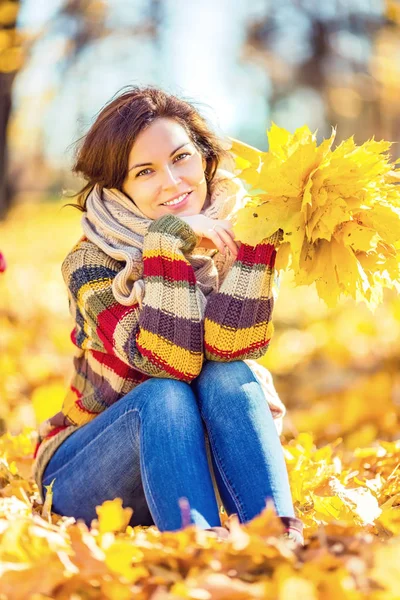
(148, 448)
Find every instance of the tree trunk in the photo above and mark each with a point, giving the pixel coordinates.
(6, 80)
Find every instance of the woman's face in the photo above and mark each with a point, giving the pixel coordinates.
(164, 165)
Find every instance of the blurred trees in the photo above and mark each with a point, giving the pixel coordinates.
(334, 63)
(11, 58)
(342, 58)
(85, 19)
(69, 50)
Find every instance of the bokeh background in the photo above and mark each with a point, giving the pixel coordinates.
(294, 62)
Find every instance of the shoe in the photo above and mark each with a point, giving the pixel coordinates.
(293, 530)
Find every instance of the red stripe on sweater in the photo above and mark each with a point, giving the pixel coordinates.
(174, 270)
(262, 254)
(107, 321)
(76, 392)
(52, 433)
(115, 364)
(231, 355)
(37, 448)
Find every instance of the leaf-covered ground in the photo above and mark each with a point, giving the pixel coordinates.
(336, 370)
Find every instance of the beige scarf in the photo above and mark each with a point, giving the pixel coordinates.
(117, 226)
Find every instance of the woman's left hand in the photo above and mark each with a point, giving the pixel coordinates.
(209, 244)
(218, 231)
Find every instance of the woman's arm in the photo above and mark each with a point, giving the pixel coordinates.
(237, 323)
(164, 338)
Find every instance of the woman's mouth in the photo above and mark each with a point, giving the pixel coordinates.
(178, 202)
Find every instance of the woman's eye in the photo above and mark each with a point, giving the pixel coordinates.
(183, 154)
(143, 171)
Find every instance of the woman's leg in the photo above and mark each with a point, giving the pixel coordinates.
(148, 449)
(247, 455)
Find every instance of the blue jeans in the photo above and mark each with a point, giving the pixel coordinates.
(148, 448)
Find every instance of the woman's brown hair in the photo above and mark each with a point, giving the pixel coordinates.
(102, 157)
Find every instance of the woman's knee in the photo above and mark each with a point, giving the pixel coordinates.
(219, 382)
(224, 375)
(163, 398)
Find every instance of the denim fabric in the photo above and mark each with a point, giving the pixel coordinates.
(149, 449)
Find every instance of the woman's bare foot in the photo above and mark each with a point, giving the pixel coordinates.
(220, 532)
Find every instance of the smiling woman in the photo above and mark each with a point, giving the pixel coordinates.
(165, 404)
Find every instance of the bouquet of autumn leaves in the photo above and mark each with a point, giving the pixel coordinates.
(339, 211)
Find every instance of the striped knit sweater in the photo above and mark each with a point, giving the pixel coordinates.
(118, 347)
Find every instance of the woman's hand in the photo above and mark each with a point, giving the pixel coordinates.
(217, 233)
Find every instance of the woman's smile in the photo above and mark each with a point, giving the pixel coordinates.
(179, 201)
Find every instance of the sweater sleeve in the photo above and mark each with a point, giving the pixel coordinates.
(163, 338)
(237, 324)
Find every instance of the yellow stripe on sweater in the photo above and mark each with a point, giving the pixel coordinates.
(164, 253)
(71, 410)
(178, 358)
(91, 289)
(86, 291)
(233, 340)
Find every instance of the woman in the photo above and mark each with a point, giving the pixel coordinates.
(170, 313)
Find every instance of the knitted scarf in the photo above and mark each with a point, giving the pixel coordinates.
(117, 226)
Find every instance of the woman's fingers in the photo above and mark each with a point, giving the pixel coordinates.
(229, 241)
(215, 237)
(221, 238)
(218, 233)
(227, 228)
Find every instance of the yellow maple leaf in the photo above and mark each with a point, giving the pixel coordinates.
(121, 557)
(112, 517)
(357, 236)
(248, 160)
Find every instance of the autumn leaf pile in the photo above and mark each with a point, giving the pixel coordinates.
(339, 211)
(335, 369)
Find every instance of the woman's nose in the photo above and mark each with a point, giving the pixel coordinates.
(171, 177)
